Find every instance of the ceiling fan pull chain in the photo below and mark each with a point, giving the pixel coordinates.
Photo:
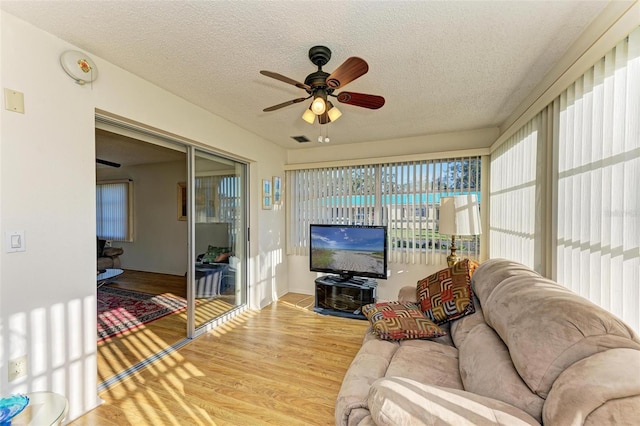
(325, 138)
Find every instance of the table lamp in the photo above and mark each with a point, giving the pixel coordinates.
(459, 215)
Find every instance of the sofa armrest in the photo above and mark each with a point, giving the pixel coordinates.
(112, 251)
(408, 294)
(369, 364)
(401, 401)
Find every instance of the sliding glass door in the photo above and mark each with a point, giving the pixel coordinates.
(207, 240)
(218, 223)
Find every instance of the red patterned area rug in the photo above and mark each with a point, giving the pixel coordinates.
(121, 310)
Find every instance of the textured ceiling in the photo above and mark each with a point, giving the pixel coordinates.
(130, 152)
(441, 66)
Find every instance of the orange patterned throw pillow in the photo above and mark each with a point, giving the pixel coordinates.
(400, 321)
(446, 295)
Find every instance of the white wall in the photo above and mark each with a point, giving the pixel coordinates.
(417, 145)
(160, 239)
(47, 182)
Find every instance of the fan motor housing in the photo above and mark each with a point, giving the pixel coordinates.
(318, 80)
(319, 55)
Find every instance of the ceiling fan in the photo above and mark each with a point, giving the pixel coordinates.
(107, 163)
(320, 85)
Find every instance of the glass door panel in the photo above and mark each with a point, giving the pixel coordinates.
(219, 240)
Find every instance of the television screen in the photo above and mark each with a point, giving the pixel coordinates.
(349, 250)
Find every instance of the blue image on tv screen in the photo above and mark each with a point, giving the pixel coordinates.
(352, 250)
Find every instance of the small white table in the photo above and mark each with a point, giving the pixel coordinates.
(44, 409)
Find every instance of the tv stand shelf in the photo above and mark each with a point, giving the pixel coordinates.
(342, 297)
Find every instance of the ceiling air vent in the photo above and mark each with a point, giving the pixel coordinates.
(301, 139)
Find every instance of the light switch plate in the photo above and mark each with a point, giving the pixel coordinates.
(14, 241)
(13, 101)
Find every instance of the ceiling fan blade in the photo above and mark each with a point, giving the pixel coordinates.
(350, 69)
(284, 104)
(285, 79)
(361, 100)
(107, 163)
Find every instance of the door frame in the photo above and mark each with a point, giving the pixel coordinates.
(139, 131)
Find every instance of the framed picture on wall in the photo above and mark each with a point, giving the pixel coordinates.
(277, 190)
(182, 201)
(267, 202)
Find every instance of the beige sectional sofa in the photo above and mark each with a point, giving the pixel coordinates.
(533, 352)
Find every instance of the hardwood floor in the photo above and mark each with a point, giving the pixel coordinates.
(121, 352)
(282, 365)
(149, 282)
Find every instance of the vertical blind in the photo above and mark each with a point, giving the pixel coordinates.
(217, 198)
(113, 219)
(593, 133)
(403, 196)
(514, 220)
(598, 235)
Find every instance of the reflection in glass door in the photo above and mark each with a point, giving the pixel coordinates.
(219, 236)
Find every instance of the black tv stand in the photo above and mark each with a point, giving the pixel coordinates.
(344, 296)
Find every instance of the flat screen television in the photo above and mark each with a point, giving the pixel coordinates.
(349, 250)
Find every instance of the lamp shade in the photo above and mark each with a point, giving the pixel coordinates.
(308, 116)
(334, 112)
(319, 104)
(459, 215)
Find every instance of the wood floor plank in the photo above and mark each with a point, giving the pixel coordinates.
(282, 365)
(120, 352)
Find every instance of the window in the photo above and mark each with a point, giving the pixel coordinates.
(403, 196)
(598, 232)
(217, 198)
(582, 227)
(517, 178)
(113, 210)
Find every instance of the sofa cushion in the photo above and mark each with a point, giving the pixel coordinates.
(399, 321)
(426, 361)
(112, 251)
(461, 327)
(601, 389)
(446, 295)
(401, 401)
(547, 327)
(423, 360)
(486, 369)
(494, 271)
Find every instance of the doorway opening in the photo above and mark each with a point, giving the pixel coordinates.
(183, 257)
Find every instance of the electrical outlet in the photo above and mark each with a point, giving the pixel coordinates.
(17, 368)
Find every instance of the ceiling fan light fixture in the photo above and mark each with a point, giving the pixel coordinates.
(308, 116)
(334, 113)
(319, 104)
